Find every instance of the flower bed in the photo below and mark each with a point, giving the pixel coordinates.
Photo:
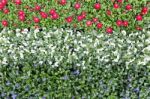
(67, 53)
(109, 16)
(62, 63)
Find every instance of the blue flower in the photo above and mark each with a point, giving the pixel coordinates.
(126, 98)
(3, 94)
(72, 97)
(27, 88)
(17, 85)
(76, 72)
(43, 97)
(8, 83)
(129, 79)
(129, 85)
(65, 77)
(137, 90)
(14, 96)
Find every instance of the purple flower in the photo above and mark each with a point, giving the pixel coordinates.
(8, 83)
(126, 98)
(136, 90)
(35, 65)
(101, 82)
(43, 97)
(7, 97)
(3, 94)
(17, 85)
(14, 96)
(27, 88)
(65, 77)
(76, 72)
(129, 85)
(72, 97)
(129, 79)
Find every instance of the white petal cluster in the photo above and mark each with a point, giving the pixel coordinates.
(58, 47)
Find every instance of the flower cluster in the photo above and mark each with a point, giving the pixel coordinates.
(103, 15)
(58, 49)
(97, 65)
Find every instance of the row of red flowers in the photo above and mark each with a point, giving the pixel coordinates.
(54, 15)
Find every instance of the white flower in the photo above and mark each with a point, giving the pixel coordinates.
(21, 55)
(18, 30)
(33, 51)
(123, 32)
(40, 62)
(36, 31)
(4, 61)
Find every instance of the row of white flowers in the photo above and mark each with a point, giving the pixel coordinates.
(57, 46)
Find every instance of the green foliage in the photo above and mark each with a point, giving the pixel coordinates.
(62, 60)
(62, 64)
(69, 10)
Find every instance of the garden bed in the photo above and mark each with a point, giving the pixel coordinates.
(60, 63)
(74, 49)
